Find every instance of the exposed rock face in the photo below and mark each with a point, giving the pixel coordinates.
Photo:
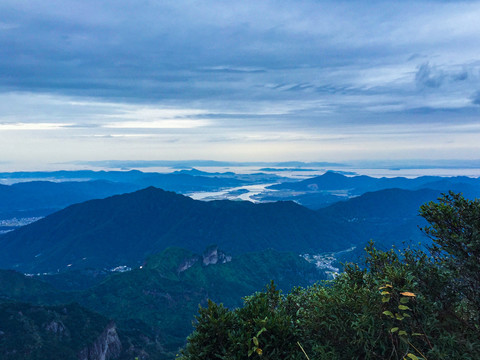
(57, 327)
(187, 264)
(107, 346)
(213, 256)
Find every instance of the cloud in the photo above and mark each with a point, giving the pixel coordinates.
(231, 69)
(427, 76)
(158, 124)
(476, 98)
(200, 72)
(177, 50)
(32, 126)
(461, 76)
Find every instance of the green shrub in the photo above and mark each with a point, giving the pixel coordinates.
(400, 305)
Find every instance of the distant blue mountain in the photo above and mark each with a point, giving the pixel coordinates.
(39, 198)
(321, 191)
(362, 183)
(43, 197)
(196, 172)
(179, 182)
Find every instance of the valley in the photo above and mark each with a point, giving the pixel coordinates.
(145, 258)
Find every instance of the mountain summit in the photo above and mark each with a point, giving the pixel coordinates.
(125, 229)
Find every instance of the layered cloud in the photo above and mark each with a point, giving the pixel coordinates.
(297, 78)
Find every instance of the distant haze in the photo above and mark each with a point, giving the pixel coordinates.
(248, 81)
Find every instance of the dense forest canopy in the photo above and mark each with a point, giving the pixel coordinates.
(404, 304)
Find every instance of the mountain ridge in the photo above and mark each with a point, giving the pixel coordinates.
(124, 229)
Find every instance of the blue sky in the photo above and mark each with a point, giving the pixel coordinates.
(238, 80)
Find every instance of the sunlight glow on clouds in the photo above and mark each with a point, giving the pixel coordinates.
(274, 80)
(32, 126)
(158, 124)
(151, 118)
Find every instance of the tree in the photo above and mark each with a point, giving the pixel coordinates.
(455, 230)
(402, 304)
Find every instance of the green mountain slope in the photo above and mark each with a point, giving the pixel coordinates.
(37, 194)
(124, 229)
(387, 216)
(53, 332)
(30, 289)
(166, 292)
(158, 302)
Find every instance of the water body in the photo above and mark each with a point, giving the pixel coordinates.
(230, 193)
(248, 192)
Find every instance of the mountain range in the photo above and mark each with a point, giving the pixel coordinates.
(30, 195)
(125, 229)
(331, 187)
(138, 261)
(362, 183)
(40, 198)
(37, 194)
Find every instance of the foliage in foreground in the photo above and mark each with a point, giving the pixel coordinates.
(403, 305)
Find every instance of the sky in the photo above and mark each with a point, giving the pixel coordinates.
(306, 80)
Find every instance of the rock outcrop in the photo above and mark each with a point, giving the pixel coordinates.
(187, 264)
(212, 256)
(106, 346)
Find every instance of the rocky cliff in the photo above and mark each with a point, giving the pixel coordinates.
(212, 256)
(107, 346)
(67, 332)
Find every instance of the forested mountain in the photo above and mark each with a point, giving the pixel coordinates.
(158, 301)
(27, 196)
(17, 286)
(389, 217)
(167, 297)
(383, 204)
(124, 229)
(67, 332)
(162, 236)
